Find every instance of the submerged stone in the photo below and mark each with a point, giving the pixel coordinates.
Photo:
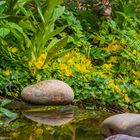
(122, 137)
(48, 92)
(126, 123)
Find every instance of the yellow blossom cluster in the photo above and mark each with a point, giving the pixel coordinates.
(7, 72)
(113, 47)
(107, 66)
(38, 64)
(66, 69)
(118, 90)
(113, 59)
(75, 61)
(14, 50)
(114, 86)
(136, 82)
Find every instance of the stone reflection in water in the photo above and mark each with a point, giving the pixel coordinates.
(55, 123)
(55, 117)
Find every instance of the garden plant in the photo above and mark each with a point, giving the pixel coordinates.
(97, 54)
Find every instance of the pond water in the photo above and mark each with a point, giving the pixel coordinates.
(54, 123)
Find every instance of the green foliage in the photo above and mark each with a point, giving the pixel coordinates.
(5, 112)
(28, 41)
(104, 62)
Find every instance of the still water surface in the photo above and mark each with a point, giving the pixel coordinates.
(54, 123)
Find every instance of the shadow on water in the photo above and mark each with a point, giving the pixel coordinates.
(54, 123)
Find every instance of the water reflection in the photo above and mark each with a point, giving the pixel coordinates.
(55, 123)
(54, 117)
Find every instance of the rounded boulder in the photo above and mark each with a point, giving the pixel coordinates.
(126, 123)
(48, 92)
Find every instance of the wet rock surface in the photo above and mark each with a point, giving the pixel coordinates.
(127, 123)
(48, 92)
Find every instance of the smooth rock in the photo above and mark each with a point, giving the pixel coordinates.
(48, 92)
(122, 137)
(126, 123)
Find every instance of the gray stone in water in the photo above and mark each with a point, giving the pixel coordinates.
(122, 137)
(48, 92)
(126, 123)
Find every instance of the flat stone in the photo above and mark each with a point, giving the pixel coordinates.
(48, 92)
(126, 123)
(122, 137)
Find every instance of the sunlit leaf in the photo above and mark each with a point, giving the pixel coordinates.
(9, 113)
(5, 102)
(4, 32)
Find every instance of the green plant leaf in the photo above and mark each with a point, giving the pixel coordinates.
(5, 102)
(39, 10)
(2, 6)
(8, 113)
(52, 51)
(4, 32)
(15, 26)
(46, 37)
(58, 12)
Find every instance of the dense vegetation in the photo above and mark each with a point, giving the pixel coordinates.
(92, 45)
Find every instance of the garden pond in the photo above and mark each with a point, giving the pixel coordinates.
(52, 123)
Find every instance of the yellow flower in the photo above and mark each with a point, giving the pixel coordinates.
(124, 90)
(136, 82)
(117, 89)
(114, 47)
(68, 72)
(83, 58)
(88, 62)
(7, 72)
(123, 41)
(63, 66)
(103, 75)
(42, 56)
(111, 81)
(107, 66)
(71, 61)
(112, 59)
(126, 98)
(81, 68)
(14, 50)
(39, 64)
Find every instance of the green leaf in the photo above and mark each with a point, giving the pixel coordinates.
(52, 51)
(2, 6)
(52, 3)
(47, 36)
(4, 32)
(8, 113)
(58, 12)
(5, 102)
(137, 105)
(15, 26)
(43, 39)
(60, 44)
(2, 2)
(39, 10)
